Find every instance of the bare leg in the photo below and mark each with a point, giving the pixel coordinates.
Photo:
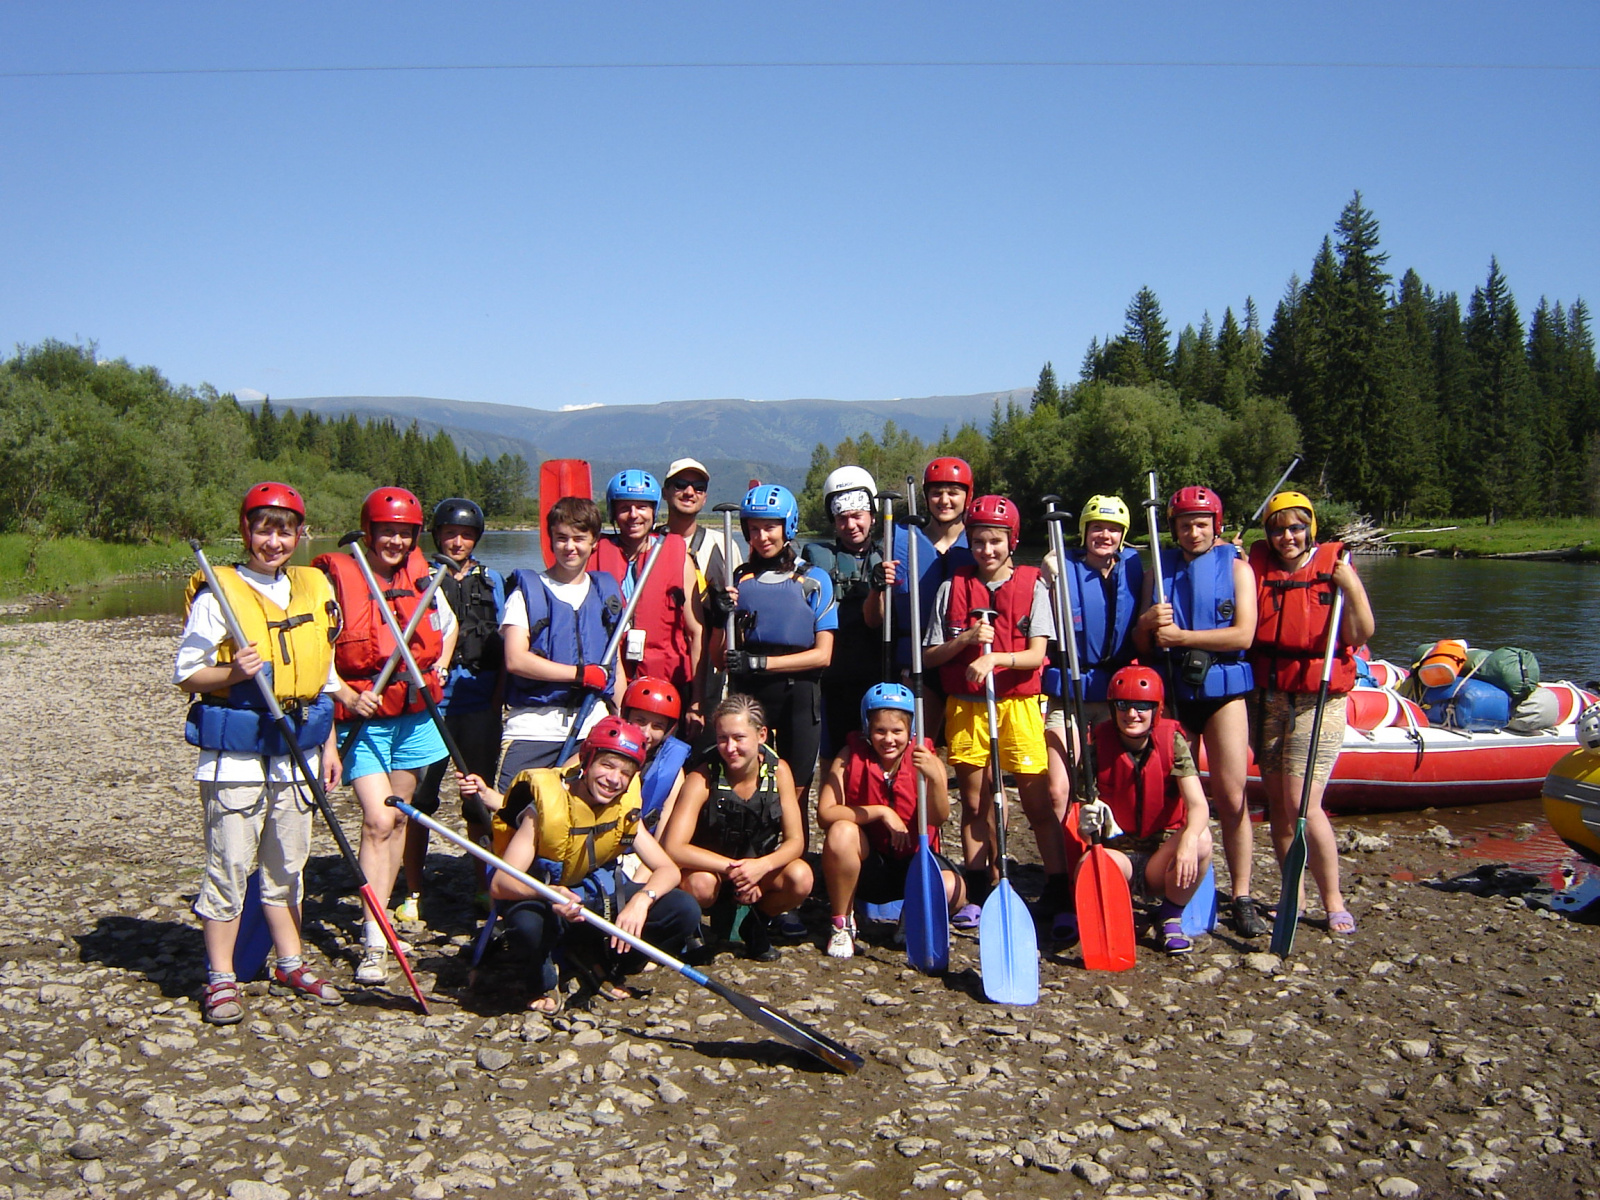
(285, 926)
(1161, 873)
(1038, 806)
(383, 829)
(1227, 738)
(844, 849)
(703, 886)
(220, 937)
(977, 818)
(785, 889)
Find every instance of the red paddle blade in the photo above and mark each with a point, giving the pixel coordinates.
(558, 479)
(370, 898)
(1105, 913)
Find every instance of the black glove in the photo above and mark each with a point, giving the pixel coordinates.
(720, 603)
(880, 581)
(742, 662)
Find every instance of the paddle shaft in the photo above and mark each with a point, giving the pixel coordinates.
(994, 767)
(313, 781)
(1064, 630)
(389, 668)
(1329, 649)
(913, 584)
(727, 511)
(1091, 780)
(1282, 479)
(1160, 584)
(887, 499)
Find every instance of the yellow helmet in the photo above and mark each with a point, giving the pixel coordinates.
(1285, 500)
(1110, 509)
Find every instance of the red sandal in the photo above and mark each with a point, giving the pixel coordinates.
(220, 1003)
(301, 982)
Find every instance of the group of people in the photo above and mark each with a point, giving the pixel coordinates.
(652, 707)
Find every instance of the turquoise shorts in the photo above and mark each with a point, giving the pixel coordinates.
(406, 743)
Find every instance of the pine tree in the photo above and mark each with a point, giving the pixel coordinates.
(1503, 453)
(1047, 392)
(1357, 397)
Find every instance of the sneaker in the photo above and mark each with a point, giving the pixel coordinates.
(374, 965)
(301, 982)
(220, 1003)
(409, 910)
(756, 934)
(790, 926)
(842, 941)
(1247, 919)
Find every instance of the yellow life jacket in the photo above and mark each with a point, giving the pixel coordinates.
(298, 641)
(573, 837)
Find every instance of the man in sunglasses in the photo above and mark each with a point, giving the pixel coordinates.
(1152, 810)
(687, 486)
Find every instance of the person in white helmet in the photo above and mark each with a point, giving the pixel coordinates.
(849, 558)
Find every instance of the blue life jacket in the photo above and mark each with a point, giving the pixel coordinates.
(657, 778)
(244, 726)
(934, 568)
(1104, 632)
(775, 617)
(1202, 597)
(563, 635)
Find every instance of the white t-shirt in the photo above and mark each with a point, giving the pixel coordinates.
(204, 631)
(546, 722)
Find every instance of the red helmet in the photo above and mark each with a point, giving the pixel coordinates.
(998, 511)
(272, 495)
(617, 736)
(1136, 683)
(1189, 500)
(651, 694)
(390, 504)
(948, 470)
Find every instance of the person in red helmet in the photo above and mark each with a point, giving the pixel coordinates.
(654, 706)
(574, 827)
(1203, 631)
(256, 813)
(398, 739)
(965, 649)
(1152, 810)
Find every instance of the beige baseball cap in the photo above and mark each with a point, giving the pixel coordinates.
(681, 465)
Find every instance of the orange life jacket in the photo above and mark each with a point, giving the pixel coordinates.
(864, 785)
(1013, 600)
(1293, 610)
(660, 610)
(1143, 797)
(365, 642)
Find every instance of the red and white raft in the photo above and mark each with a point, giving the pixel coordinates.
(1393, 759)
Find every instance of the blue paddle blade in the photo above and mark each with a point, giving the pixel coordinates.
(1200, 914)
(254, 941)
(1288, 918)
(926, 914)
(1008, 948)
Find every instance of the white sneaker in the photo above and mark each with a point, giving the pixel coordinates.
(842, 941)
(409, 910)
(374, 965)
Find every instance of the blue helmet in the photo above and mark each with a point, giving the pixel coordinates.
(887, 695)
(772, 502)
(633, 484)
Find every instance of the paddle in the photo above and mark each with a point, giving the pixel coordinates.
(1200, 914)
(1105, 908)
(1282, 479)
(558, 479)
(1008, 946)
(887, 499)
(1151, 505)
(318, 795)
(727, 511)
(803, 1037)
(1294, 862)
(926, 912)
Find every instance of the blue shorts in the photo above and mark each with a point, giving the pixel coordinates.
(405, 743)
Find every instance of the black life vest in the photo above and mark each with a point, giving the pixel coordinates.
(478, 645)
(738, 828)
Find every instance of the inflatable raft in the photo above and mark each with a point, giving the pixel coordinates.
(1572, 801)
(1394, 759)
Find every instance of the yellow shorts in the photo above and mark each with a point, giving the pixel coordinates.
(966, 732)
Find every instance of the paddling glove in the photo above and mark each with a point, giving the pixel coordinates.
(1094, 819)
(594, 678)
(742, 662)
(879, 578)
(720, 603)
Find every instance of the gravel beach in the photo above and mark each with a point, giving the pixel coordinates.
(1448, 1049)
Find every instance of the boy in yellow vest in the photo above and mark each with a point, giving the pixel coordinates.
(572, 829)
(257, 811)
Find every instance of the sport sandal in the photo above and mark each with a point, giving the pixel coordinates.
(220, 1003)
(1173, 940)
(301, 982)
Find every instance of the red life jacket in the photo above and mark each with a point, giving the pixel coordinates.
(1143, 798)
(365, 642)
(1013, 600)
(864, 784)
(1293, 608)
(660, 611)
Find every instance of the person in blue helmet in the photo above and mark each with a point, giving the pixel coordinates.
(867, 807)
(784, 620)
(667, 637)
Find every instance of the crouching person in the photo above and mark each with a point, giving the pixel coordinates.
(1150, 788)
(868, 808)
(573, 827)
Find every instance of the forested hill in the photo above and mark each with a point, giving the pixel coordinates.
(736, 439)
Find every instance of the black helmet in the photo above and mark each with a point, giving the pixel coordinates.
(456, 511)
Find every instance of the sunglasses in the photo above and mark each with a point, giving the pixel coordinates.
(1298, 527)
(688, 485)
(1140, 706)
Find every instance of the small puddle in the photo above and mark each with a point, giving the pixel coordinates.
(1513, 832)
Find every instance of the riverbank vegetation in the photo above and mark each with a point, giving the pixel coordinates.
(31, 565)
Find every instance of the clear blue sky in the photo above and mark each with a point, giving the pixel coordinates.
(551, 237)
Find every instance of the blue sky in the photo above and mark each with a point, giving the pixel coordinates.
(603, 234)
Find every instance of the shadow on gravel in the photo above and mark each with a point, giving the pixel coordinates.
(170, 954)
(768, 1053)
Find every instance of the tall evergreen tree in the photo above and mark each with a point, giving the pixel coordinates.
(1047, 392)
(1503, 451)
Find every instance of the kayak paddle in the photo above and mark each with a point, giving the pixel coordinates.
(1200, 914)
(802, 1037)
(1294, 862)
(1008, 946)
(887, 499)
(313, 781)
(1282, 479)
(558, 479)
(926, 913)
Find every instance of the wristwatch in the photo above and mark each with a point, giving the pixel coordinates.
(651, 893)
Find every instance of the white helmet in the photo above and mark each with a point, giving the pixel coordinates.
(849, 480)
(1589, 727)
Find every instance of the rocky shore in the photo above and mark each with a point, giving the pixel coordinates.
(1448, 1049)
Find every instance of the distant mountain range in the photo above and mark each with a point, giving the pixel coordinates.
(738, 440)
